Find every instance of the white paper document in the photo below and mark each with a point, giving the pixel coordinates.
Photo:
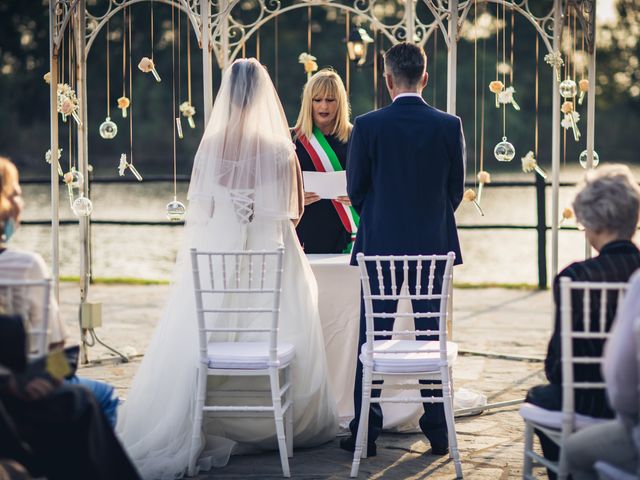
(326, 184)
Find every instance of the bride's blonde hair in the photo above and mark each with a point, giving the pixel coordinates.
(326, 83)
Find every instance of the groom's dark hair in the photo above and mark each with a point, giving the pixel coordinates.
(406, 63)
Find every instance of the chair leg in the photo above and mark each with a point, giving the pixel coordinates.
(201, 387)
(277, 414)
(289, 414)
(527, 469)
(363, 425)
(447, 400)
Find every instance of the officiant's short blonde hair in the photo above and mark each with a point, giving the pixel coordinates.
(324, 83)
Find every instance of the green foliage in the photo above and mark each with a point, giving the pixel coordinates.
(24, 104)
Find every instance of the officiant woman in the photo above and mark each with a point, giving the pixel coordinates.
(322, 135)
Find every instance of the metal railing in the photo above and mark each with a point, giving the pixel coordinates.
(540, 226)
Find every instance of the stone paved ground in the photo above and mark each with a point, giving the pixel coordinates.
(498, 321)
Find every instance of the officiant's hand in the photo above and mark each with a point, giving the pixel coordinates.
(344, 200)
(310, 197)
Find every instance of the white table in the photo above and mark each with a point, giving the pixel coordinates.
(339, 305)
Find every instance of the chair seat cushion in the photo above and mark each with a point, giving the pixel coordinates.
(246, 355)
(387, 360)
(553, 418)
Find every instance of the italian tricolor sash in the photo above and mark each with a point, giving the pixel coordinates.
(325, 160)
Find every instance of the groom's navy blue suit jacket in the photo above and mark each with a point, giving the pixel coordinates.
(405, 177)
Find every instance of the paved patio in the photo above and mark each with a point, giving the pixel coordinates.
(500, 322)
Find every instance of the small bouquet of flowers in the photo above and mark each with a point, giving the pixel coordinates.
(571, 119)
(188, 111)
(146, 65)
(583, 85)
(47, 158)
(470, 196)
(555, 60)
(529, 164)
(309, 62)
(483, 179)
(68, 102)
(506, 96)
(496, 87)
(123, 165)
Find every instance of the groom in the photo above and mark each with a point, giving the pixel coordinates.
(405, 177)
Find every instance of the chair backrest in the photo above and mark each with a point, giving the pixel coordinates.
(382, 279)
(228, 284)
(583, 339)
(30, 300)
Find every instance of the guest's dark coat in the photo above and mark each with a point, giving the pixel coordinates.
(616, 263)
(405, 177)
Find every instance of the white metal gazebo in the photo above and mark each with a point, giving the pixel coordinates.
(221, 33)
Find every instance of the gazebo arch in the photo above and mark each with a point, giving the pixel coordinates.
(219, 33)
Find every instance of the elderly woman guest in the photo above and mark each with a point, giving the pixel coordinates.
(607, 207)
(21, 265)
(322, 135)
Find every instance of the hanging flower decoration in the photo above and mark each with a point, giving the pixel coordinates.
(68, 102)
(470, 196)
(555, 60)
(529, 164)
(47, 77)
(483, 179)
(188, 111)
(567, 214)
(123, 165)
(571, 119)
(583, 85)
(146, 65)
(47, 158)
(496, 87)
(123, 104)
(506, 97)
(309, 62)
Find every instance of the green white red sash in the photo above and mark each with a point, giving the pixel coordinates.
(325, 160)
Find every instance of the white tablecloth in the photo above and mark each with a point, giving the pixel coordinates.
(339, 305)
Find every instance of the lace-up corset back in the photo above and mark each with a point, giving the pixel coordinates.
(243, 201)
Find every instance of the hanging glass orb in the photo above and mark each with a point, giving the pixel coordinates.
(108, 129)
(82, 206)
(583, 159)
(568, 88)
(504, 151)
(73, 178)
(175, 210)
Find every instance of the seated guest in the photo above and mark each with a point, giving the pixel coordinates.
(322, 137)
(607, 207)
(52, 429)
(613, 441)
(21, 265)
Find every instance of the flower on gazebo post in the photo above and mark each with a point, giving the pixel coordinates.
(309, 62)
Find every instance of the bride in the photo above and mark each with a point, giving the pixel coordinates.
(245, 193)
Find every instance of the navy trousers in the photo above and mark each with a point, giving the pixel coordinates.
(432, 422)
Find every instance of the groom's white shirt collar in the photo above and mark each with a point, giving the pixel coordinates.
(408, 95)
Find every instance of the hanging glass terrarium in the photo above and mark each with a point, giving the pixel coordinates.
(175, 210)
(568, 88)
(504, 151)
(108, 129)
(584, 157)
(82, 206)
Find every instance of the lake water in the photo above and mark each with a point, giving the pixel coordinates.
(148, 252)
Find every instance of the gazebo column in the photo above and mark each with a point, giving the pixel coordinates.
(555, 143)
(452, 57)
(79, 21)
(591, 99)
(55, 195)
(207, 78)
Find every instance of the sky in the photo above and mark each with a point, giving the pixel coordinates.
(605, 11)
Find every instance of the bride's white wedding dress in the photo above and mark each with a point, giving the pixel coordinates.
(155, 423)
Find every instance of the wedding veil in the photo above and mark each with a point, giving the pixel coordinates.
(247, 145)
